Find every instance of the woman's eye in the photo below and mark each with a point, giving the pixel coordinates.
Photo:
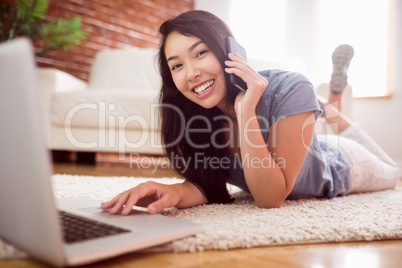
(202, 52)
(174, 67)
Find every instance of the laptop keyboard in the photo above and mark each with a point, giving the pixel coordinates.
(77, 229)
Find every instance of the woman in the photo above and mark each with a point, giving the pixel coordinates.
(261, 139)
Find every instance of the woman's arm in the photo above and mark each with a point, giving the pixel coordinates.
(271, 171)
(156, 197)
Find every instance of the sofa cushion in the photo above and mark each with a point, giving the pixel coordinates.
(123, 108)
(136, 68)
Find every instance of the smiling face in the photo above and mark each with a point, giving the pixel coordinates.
(195, 70)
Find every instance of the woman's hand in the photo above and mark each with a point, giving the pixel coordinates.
(156, 197)
(256, 84)
(150, 194)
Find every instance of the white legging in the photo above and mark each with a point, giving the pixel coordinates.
(371, 169)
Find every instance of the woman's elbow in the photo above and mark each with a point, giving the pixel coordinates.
(269, 204)
(271, 199)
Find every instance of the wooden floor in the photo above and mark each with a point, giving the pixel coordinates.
(359, 254)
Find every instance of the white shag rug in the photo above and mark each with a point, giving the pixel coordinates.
(358, 217)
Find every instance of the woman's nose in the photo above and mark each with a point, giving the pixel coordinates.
(193, 72)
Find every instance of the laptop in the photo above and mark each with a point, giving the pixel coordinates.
(30, 215)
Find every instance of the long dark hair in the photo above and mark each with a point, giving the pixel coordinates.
(177, 110)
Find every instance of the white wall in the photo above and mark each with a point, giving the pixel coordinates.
(220, 8)
(379, 117)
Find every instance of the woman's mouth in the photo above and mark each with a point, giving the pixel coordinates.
(204, 87)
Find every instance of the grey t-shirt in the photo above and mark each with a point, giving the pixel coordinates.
(325, 172)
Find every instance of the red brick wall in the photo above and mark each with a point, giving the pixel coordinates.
(110, 24)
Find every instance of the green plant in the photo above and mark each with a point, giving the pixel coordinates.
(28, 18)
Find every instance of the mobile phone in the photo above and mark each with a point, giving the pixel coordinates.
(234, 47)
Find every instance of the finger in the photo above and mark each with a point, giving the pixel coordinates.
(159, 205)
(232, 65)
(239, 62)
(244, 67)
(240, 73)
(133, 200)
(107, 205)
(142, 192)
(120, 202)
(234, 60)
(248, 74)
(242, 64)
(236, 57)
(239, 56)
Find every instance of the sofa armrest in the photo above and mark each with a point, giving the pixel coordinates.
(50, 80)
(53, 80)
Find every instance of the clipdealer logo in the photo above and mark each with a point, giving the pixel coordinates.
(112, 131)
(111, 127)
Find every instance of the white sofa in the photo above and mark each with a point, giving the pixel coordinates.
(114, 112)
(117, 110)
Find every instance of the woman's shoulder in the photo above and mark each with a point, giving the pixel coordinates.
(282, 82)
(277, 75)
(288, 93)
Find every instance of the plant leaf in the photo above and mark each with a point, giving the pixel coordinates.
(64, 33)
(31, 10)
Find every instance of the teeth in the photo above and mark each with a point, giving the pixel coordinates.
(201, 89)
